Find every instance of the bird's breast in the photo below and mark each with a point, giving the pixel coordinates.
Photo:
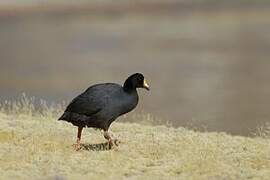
(127, 103)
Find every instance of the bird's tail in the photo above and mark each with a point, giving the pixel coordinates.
(63, 117)
(74, 118)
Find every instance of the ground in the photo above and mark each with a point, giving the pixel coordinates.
(34, 145)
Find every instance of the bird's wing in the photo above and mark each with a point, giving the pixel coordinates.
(94, 99)
(83, 105)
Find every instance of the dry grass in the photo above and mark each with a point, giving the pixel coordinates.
(33, 145)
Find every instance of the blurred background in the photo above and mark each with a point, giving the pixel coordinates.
(207, 61)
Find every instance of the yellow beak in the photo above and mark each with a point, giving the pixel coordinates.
(145, 85)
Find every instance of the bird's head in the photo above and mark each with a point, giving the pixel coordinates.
(134, 81)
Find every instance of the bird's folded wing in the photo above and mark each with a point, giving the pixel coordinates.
(85, 106)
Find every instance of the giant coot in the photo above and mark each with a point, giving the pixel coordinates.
(101, 104)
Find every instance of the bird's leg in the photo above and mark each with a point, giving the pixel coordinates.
(108, 137)
(78, 145)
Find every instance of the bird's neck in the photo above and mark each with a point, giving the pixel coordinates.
(129, 87)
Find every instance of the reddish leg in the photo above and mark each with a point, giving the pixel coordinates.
(78, 145)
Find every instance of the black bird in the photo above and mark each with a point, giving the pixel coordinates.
(101, 104)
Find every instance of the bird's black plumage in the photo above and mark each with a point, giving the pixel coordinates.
(101, 104)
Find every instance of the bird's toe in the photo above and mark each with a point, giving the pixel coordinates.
(116, 142)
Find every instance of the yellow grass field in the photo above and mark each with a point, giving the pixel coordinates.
(34, 145)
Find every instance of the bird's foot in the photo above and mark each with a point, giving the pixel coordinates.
(116, 142)
(77, 147)
(113, 142)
